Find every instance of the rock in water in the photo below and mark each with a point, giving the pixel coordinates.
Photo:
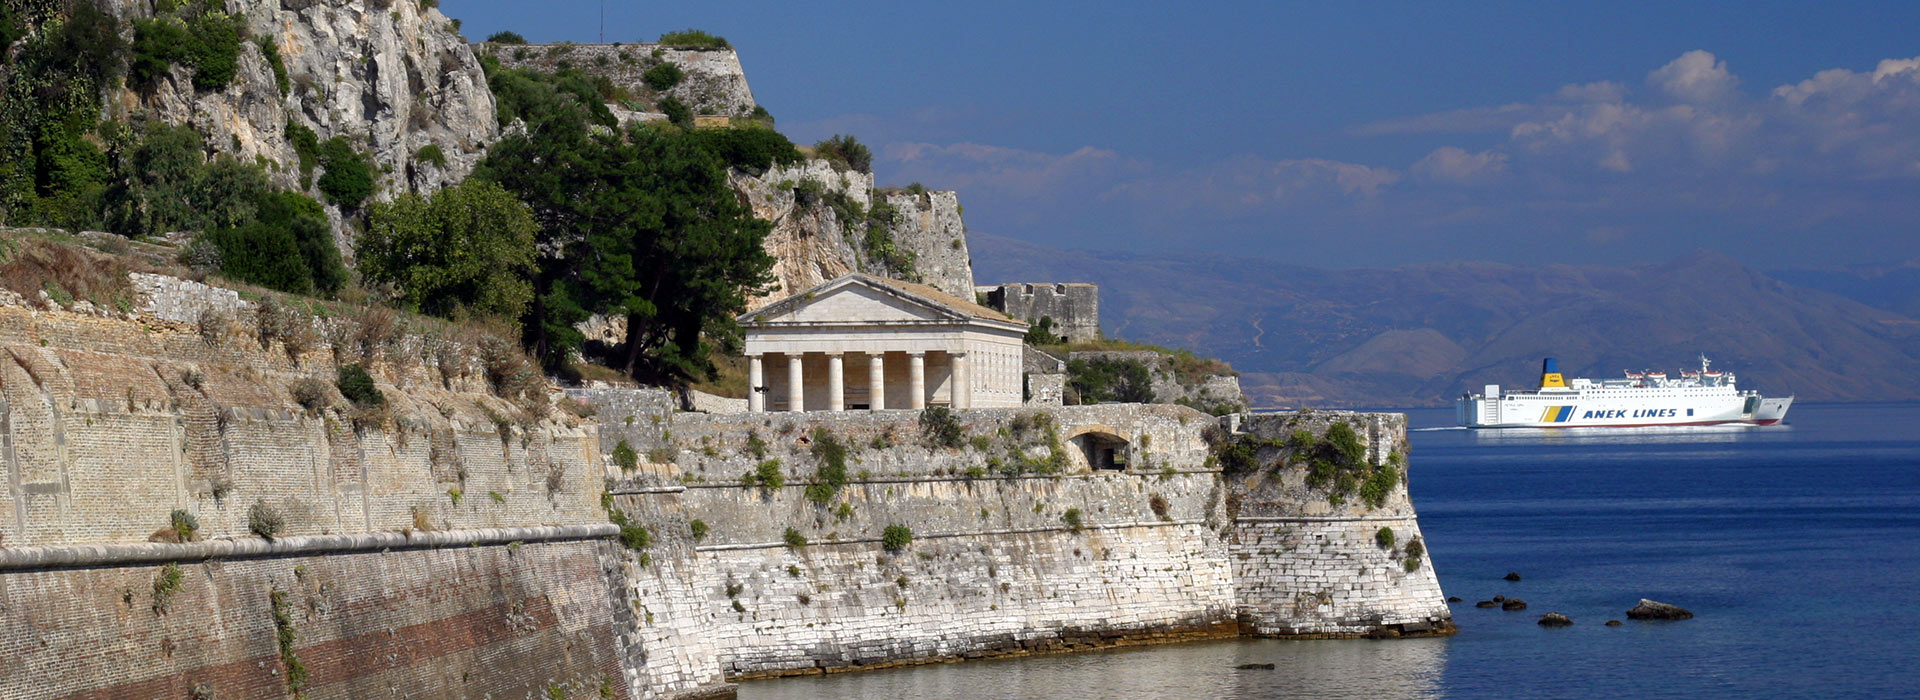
(1499, 598)
(1513, 604)
(1255, 667)
(1513, 576)
(1486, 604)
(1613, 623)
(1453, 599)
(1554, 619)
(1653, 610)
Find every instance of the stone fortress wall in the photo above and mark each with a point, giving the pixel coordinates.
(1073, 306)
(385, 582)
(713, 82)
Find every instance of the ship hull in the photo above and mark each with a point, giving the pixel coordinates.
(1621, 409)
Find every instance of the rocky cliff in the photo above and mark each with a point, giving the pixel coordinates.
(392, 77)
(712, 81)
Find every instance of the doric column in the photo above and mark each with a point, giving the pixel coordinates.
(836, 383)
(917, 364)
(756, 381)
(796, 392)
(877, 381)
(962, 396)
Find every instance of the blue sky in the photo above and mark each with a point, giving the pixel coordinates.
(1351, 134)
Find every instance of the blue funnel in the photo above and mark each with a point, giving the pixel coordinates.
(1551, 366)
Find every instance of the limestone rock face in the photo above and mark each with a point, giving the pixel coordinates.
(392, 78)
(808, 243)
(928, 226)
(1654, 610)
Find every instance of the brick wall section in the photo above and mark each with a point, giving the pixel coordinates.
(489, 621)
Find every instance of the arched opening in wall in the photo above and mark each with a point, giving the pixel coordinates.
(1102, 450)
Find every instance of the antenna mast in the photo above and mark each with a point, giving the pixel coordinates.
(603, 21)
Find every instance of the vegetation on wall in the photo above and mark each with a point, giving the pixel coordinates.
(467, 250)
(845, 151)
(1335, 462)
(694, 39)
(1109, 380)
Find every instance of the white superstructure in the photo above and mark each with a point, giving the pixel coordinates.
(1639, 399)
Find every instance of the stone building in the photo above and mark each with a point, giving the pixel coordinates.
(1073, 306)
(911, 346)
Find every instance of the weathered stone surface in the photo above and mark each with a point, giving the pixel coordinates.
(1554, 619)
(1513, 604)
(1074, 307)
(1653, 610)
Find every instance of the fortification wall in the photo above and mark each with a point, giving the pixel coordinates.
(1310, 564)
(1215, 393)
(713, 82)
(1074, 307)
(489, 620)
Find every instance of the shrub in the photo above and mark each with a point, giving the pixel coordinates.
(756, 446)
(941, 428)
(348, 179)
(694, 39)
(1383, 538)
(794, 539)
(1073, 519)
(767, 476)
(846, 151)
(678, 113)
(165, 585)
(624, 456)
(506, 38)
(306, 145)
(271, 51)
(1041, 332)
(748, 148)
(358, 387)
(832, 473)
(288, 246)
(1109, 380)
(663, 77)
(431, 153)
(698, 529)
(311, 394)
(896, 538)
(264, 520)
(184, 525)
(1159, 505)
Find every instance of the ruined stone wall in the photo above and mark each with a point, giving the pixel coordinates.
(1074, 307)
(1213, 392)
(1309, 565)
(493, 620)
(714, 82)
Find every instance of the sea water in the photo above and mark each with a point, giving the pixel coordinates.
(1797, 547)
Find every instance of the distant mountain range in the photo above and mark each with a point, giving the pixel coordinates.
(1419, 335)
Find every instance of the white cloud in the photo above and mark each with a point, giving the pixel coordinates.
(1454, 164)
(1696, 77)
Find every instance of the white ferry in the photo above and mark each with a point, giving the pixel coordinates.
(1640, 399)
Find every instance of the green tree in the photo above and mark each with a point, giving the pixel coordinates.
(846, 150)
(288, 246)
(348, 179)
(468, 248)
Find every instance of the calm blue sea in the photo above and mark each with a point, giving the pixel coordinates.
(1798, 547)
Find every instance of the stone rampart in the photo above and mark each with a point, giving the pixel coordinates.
(1074, 307)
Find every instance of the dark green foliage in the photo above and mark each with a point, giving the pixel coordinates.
(749, 148)
(535, 97)
(794, 539)
(694, 39)
(1110, 380)
(846, 151)
(880, 245)
(896, 538)
(431, 153)
(348, 179)
(832, 474)
(306, 144)
(698, 529)
(506, 38)
(766, 475)
(272, 53)
(662, 77)
(51, 171)
(285, 636)
(940, 428)
(678, 113)
(1041, 332)
(1415, 552)
(165, 585)
(286, 246)
(467, 249)
(624, 456)
(756, 446)
(761, 115)
(640, 223)
(357, 386)
(1383, 538)
(1073, 519)
(199, 36)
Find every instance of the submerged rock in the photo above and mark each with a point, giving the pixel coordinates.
(1499, 598)
(1513, 604)
(1513, 576)
(1554, 619)
(1486, 604)
(1613, 623)
(1383, 633)
(1255, 667)
(1453, 599)
(1654, 610)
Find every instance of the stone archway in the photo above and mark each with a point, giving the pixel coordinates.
(1101, 447)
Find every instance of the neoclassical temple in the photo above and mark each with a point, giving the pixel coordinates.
(909, 345)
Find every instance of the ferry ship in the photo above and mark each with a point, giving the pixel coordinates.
(1640, 399)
